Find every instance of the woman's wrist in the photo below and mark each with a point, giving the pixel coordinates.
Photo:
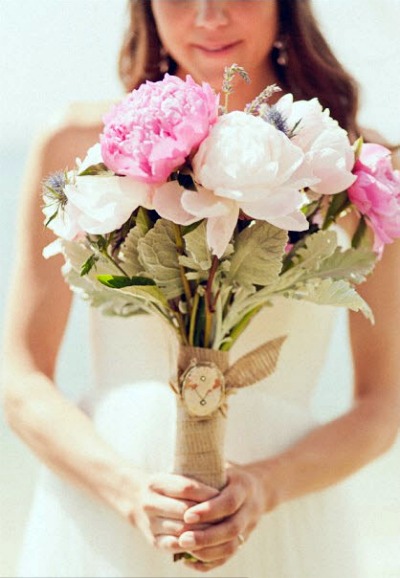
(122, 490)
(272, 478)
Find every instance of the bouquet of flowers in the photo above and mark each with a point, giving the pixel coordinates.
(203, 216)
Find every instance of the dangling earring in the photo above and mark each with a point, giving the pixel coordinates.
(282, 54)
(163, 63)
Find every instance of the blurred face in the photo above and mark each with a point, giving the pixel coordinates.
(204, 36)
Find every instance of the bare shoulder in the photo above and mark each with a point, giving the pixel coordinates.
(69, 134)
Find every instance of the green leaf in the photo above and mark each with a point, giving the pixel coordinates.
(150, 294)
(352, 265)
(321, 258)
(317, 247)
(338, 204)
(359, 233)
(159, 257)
(328, 292)
(119, 281)
(238, 329)
(89, 264)
(357, 146)
(129, 252)
(97, 169)
(198, 255)
(51, 218)
(109, 301)
(189, 228)
(143, 220)
(257, 259)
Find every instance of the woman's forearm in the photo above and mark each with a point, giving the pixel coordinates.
(331, 452)
(64, 438)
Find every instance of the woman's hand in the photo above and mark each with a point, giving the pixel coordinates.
(231, 516)
(160, 504)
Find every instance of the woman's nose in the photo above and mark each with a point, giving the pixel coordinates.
(211, 13)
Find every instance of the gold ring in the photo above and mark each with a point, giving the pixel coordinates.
(241, 540)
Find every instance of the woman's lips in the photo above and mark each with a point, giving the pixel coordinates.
(217, 49)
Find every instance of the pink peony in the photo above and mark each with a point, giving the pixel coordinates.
(156, 127)
(376, 193)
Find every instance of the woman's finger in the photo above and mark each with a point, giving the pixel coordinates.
(216, 534)
(160, 506)
(222, 506)
(167, 526)
(167, 543)
(176, 486)
(173, 527)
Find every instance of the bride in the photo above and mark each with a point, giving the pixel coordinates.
(107, 504)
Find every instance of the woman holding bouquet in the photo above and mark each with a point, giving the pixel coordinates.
(114, 508)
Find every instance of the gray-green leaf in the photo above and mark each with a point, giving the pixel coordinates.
(257, 259)
(351, 265)
(318, 246)
(328, 292)
(198, 255)
(129, 253)
(159, 258)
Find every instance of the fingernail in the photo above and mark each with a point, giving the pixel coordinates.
(187, 540)
(191, 518)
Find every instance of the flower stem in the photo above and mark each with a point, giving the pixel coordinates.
(239, 328)
(107, 256)
(193, 318)
(209, 302)
(185, 282)
(182, 328)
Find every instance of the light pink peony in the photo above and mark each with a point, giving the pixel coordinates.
(156, 127)
(326, 146)
(376, 193)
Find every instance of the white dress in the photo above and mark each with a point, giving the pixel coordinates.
(71, 535)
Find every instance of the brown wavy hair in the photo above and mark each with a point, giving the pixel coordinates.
(312, 69)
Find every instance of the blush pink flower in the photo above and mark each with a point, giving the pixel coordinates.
(156, 127)
(376, 193)
(326, 146)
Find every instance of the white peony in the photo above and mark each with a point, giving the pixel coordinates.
(66, 223)
(247, 164)
(96, 205)
(105, 203)
(93, 157)
(328, 152)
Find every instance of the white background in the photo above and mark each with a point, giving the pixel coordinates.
(53, 52)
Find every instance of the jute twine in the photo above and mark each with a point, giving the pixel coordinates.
(199, 450)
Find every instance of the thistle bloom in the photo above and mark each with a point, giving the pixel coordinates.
(376, 193)
(156, 127)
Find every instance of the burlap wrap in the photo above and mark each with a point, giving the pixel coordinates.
(199, 449)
